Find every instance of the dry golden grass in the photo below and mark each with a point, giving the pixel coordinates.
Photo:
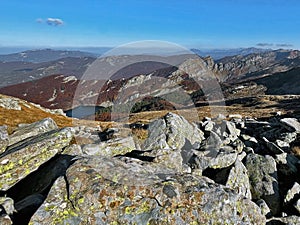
(29, 113)
(266, 106)
(141, 134)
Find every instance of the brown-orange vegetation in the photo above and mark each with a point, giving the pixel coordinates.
(30, 113)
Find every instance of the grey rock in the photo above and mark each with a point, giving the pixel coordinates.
(111, 147)
(288, 137)
(170, 159)
(287, 220)
(9, 103)
(297, 205)
(91, 133)
(265, 210)
(249, 141)
(220, 117)
(238, 179)
(5, 220)
(74, 150)
(31, 130)
(235, 116)
(171, 132)
(242, 155)
(291, 124)
(248, 150)
(213, 142)
(287, 164)
(214, 159)
(24, 157)
(263, 178)
(208, 125)
(8, 205)
(282, 144)
(238, 145)
(3, 138)
(232, 130)
(245, 137)
(108, 191)
(6, 209)
(290, 195)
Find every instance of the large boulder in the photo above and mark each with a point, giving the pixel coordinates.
(31, 130)
(99, 190)
(26, 156)
(262, 173)
(238, 179)
(171, 132)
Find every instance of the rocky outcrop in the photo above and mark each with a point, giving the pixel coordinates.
(165, 133)
(214, 172)
(26, 156)
(25, 131)
(113, 195)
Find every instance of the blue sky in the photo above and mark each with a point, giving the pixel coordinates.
(191, 23)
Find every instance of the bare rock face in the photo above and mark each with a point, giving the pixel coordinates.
(108, 191)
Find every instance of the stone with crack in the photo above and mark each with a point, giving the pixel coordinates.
(24, 157)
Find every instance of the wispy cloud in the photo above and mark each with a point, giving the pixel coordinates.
(264, 44)
(51, 21)
(284, 45)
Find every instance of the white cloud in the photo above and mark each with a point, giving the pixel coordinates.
(54, 21)
(51, 21)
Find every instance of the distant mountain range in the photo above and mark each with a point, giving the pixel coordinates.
(43, 55)
(221, 53)
(53, 84)
(12, 54)
(19, 72)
